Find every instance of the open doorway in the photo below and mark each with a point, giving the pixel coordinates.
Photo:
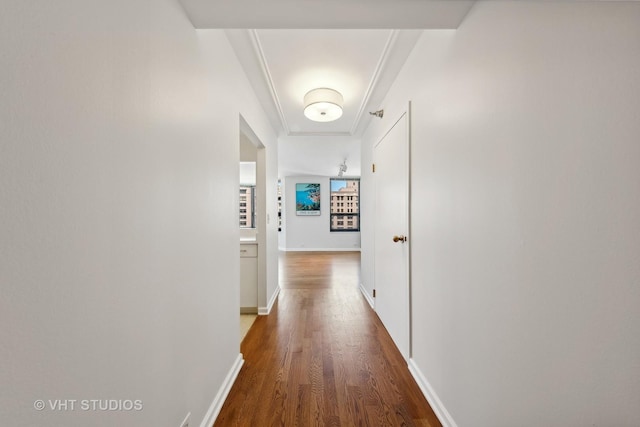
(252, 223)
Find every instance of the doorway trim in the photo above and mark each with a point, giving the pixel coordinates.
(261, 214)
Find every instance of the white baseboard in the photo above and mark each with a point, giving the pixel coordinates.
(436, 404)
(223, 392)
(186, 419)
(320, 249)
(368, 297)
(263, 311)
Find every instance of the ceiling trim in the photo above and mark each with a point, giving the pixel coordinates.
(319, 134)
(378, 71)
(259, 52)
(382, 62)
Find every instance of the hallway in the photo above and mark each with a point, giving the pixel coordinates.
(322, 357)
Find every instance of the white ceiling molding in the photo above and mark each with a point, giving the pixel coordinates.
(374, 79)
(371, 57)
(356, 47)
(264, 66)
(319, 134)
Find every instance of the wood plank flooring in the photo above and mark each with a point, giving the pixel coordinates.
(322, 357)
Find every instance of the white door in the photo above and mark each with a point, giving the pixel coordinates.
(391, 158)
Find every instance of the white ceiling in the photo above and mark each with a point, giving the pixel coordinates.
(289, 47)
(283, 65)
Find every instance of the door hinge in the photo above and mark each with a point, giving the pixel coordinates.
(374, 293)
(373, 167)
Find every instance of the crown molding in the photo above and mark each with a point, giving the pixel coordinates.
(319, 134)
(375, 78)
(262, 60)
(388, 64)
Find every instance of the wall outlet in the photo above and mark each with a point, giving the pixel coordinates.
(185, 422)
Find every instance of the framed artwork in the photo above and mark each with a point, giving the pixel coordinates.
(308, 199)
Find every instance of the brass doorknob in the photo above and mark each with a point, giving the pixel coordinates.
(399, 239)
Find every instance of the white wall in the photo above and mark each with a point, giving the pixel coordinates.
(248, 173)
(300, 158)
(269, 284)
(525, 213)
(248, 151)
(308, 233)
(119, 260)
(317, 155)
(282, 235)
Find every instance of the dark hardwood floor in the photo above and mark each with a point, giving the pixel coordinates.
(322, 357)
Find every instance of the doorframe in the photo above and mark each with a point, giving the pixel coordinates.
(261, 210)
(397, 115)
(409, 229)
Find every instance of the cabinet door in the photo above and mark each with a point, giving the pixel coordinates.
(249, 283)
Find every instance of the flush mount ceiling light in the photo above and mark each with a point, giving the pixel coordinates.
(323, 105)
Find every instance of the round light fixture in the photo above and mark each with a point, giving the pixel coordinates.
(323, 105)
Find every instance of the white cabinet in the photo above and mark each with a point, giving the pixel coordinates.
(248, 277)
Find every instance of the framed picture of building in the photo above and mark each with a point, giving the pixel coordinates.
(307, 199)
